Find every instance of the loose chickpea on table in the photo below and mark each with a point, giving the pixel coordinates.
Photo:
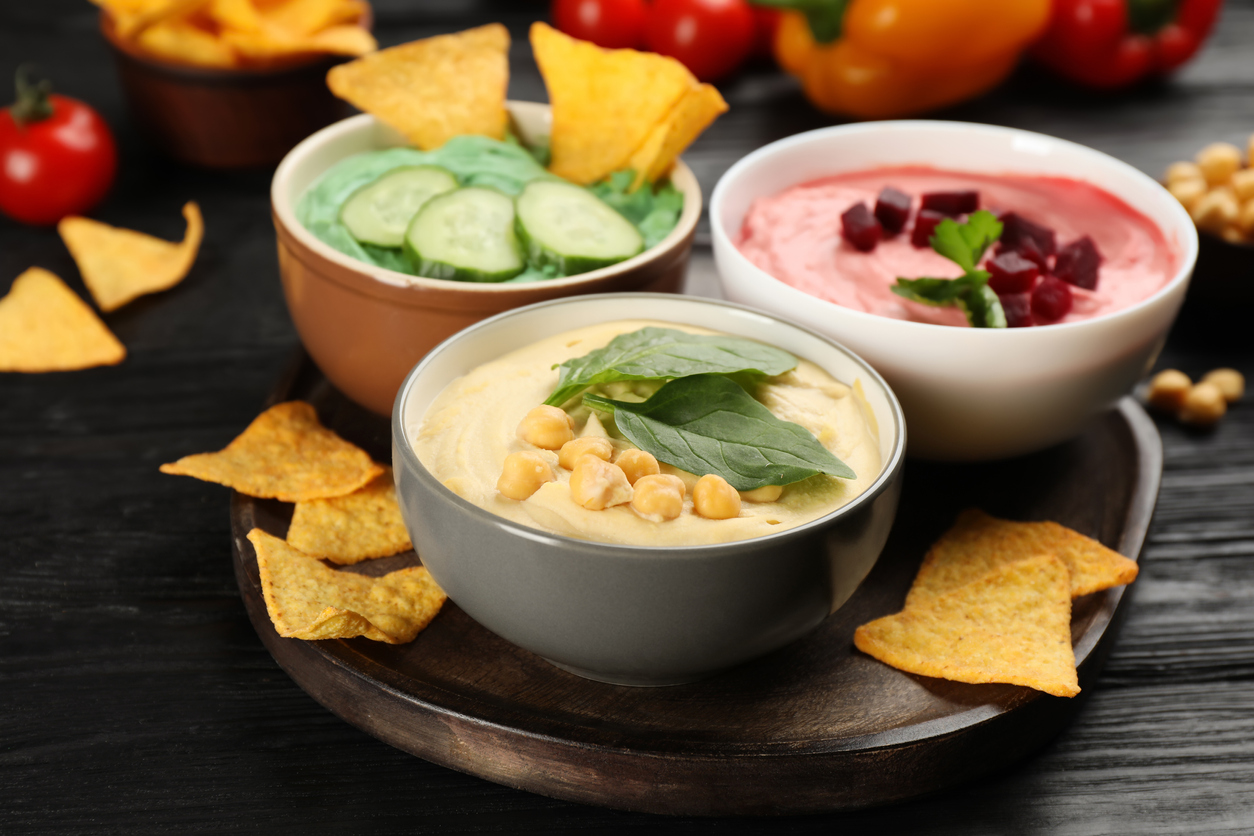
(1199, 404)
(1217, 188)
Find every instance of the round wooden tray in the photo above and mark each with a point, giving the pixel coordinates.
(816, 726)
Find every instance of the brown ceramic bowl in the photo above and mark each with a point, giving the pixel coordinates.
(225, 118)
(366, 326)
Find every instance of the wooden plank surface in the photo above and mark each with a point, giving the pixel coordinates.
(138, 699)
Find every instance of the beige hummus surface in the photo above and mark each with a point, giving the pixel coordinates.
(470, 428)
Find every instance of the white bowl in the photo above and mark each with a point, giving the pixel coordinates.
(968, 393)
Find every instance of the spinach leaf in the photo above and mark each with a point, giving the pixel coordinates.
(708, 424)
(665, 353)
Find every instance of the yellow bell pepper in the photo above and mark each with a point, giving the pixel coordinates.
(897, 57)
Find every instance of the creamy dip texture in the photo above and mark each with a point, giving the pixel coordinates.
(471, 426)
(795, 236)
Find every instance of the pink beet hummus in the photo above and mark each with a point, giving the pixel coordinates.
(795, 236)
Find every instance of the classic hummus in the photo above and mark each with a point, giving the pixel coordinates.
(470, 428)
(795, 236)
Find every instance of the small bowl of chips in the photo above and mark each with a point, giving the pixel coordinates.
(366, 325)
(232, 85)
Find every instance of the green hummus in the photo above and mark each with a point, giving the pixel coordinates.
(474, 161)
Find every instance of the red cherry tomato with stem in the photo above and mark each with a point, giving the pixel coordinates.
(614, 24)
(57, 156)
(710, 37)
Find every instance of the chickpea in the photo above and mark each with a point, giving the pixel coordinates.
(1183, 171)
(658, 497)
(596, 484)
(637, 464)
(714, 499)
(523, 474)
(1188, 192)
(1167, 390)
(1245, 219)
(1203, 406)
(547, 427)
(592, 445)
(1242, 184)
(1215, 210)
(766, 493)
(1230, 382)
(1218, 161)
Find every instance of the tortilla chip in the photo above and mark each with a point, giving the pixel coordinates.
(272, 43)
(120, 264)
(308, 600)
(435, 89)
(285, 454)
(1013, 625)
(305, 17)
(133, 17)
(45, 327)
(240, 15)
(605, 102)
(691, 115)
(349, 529)
(179, 42)
(978, 543)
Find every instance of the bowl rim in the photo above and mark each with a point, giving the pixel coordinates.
(722, 240)
(284, 210)
(889, 471)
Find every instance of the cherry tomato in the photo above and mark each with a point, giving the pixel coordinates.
(57, 156)
(710, 37)
(614, 24)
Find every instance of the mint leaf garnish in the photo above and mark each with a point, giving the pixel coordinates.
(964, 244)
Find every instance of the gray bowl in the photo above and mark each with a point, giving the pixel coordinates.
(641, 615)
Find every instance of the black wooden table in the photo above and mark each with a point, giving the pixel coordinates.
(135, 696)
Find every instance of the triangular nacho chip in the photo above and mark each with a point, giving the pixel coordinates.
(286, 454)
(308, 600)
(605, 102)
(1013, 625)
(45, 327)
(434, 89)
(305, 17)
(978, 543)
(121, 264)
(351, 528)
(691, 115)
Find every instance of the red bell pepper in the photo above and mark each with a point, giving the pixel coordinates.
(1109, 44)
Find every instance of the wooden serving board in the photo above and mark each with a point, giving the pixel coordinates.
(816, 726)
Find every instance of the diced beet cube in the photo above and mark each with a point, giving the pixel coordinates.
(924, 225)
(1029, 250)
(859, 227)
(952, 203)
(1018, 233)
(1012, 273)
(1051, 300)
(1077, 263)
(1018, 308)
(892, 209)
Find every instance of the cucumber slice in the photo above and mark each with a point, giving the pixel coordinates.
(572, 229)
(379, 212)
(466, 235)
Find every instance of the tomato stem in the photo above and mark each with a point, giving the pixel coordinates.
(32, 103)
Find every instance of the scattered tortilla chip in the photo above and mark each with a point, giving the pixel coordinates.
(285, 454)
(349, 529)
(434, 89)
(605, 102)
(308, 600)
(691, 115)
(978, 543)
(45, 327)
(1013, 625)
(120, 264)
